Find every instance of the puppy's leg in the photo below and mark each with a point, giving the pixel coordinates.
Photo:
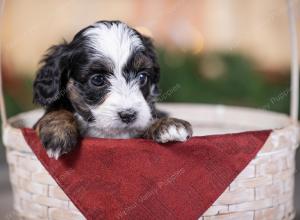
(58, 132)
(169, 129)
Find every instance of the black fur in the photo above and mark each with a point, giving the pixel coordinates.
(51, 79)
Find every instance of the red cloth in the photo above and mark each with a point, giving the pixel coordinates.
(140, 179)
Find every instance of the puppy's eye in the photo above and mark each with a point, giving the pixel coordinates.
(97, 80)
(143, 78)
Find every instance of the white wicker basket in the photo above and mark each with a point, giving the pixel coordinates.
(264, 190)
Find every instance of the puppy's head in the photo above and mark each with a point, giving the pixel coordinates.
(108, 74)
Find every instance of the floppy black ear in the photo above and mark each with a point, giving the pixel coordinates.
(50, 82)
(150, 52)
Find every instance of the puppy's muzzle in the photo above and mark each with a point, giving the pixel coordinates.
(128, 116)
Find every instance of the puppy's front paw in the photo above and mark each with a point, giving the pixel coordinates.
(57, 143)
(58, 133)
(170, 129)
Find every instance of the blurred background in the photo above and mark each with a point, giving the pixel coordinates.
(211, 51)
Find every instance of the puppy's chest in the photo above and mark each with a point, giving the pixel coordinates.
(93, 131)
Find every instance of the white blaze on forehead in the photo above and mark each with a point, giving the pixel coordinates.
(116, 41)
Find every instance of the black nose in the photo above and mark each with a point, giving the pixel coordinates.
(128, 116)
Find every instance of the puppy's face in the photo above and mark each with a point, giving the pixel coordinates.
(108, 74)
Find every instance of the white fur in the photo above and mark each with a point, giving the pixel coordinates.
(54, 153)
(117, 42)
(121, 97)
(173, 134)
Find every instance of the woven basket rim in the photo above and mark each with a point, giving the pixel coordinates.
(278, 122)
(174, 108)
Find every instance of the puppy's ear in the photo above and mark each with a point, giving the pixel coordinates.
(49, 85)
(150, 52)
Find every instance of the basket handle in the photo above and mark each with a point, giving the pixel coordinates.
(294, 104)
(2, 103)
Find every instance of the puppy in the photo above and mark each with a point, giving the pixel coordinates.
(102, 84)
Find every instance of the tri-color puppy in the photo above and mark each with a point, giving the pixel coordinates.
(102, 84)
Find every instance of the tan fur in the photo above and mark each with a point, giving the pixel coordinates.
(58, 130)
(141, 61)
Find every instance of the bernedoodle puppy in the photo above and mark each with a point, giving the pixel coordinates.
(102, 84)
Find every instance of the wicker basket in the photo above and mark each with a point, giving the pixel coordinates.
(264, 190)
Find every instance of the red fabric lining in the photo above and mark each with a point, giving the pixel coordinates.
(141, 179)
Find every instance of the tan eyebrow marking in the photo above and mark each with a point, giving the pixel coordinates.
(141, 61)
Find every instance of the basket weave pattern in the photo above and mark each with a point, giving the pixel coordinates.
(264, 190)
